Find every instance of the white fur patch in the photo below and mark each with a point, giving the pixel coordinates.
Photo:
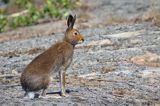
(31, 95)
(51, 79)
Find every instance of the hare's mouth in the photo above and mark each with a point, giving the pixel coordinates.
(81, 41)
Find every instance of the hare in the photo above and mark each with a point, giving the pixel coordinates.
(37, 75)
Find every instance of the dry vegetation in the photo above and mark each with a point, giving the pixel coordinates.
(152, 15)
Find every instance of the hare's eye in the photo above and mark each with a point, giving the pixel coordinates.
(75, 33)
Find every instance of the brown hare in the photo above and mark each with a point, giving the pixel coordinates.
(37, 75)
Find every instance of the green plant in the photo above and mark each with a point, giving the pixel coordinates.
(3, 23)
(51, 8)
(19, 21)
(34, 13)
(22, 3)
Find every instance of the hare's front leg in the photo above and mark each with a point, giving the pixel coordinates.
(62, 75)
(62, 82)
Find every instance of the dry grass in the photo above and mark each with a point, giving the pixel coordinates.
(152, 15)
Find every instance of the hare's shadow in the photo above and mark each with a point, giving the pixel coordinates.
(56, 92)
(67, 91)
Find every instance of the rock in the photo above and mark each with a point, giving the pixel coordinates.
(135, 41)
(148, 59)
(126, 34)
(14, 72)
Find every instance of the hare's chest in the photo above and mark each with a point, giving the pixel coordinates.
(67, 59)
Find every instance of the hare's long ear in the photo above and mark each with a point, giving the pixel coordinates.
(71, 20)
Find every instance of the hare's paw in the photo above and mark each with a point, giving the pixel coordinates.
(29, 95)
(64, 94)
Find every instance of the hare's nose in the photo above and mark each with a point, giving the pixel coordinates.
(82, 39)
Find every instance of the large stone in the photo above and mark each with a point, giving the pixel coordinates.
(148, 59)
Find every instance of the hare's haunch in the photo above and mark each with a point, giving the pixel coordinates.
(37, 75)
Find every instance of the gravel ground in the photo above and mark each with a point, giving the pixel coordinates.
(117, 65)
(100, 74)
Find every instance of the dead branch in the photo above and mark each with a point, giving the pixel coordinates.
(22, 13)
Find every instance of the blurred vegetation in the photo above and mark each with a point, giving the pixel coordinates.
(35, 11)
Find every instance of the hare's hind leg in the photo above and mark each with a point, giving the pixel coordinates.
(43, 92)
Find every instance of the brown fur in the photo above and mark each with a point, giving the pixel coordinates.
(37, 75)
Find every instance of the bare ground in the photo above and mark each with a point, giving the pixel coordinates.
(117, 65)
